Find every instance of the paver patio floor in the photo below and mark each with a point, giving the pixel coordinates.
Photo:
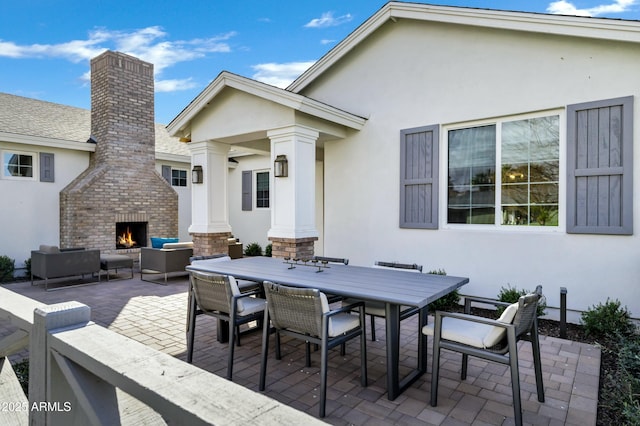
(156, 316)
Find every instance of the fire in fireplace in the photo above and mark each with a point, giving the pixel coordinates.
(131, 235)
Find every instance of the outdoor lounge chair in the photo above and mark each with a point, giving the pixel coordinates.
(304, 314)
(172, 257)
(219, 296)
(493, 340)
(375, 309)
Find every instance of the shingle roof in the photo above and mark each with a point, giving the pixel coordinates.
(33, 117)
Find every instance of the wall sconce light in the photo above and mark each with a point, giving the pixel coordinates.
(281, 166)
(196, 174)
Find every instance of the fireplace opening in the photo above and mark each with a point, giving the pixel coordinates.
(131, 235)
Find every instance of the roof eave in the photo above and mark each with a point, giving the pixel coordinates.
(576, 26)
(49, 142)
(165, 156)
(274, 94)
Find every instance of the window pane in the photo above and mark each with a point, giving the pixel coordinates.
(515, 215)
(20, 165)
(544, 215)
(515, 173)
(530, 170)
(544, 193)
(515, 194)
(544, 171)
(262, 189)
(178, 177)
(471, 175)
(482, 215)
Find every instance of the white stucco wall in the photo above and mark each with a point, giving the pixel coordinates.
(252, 226)
(411, 74)
(30, 209)
(248, 226)
(184, 197)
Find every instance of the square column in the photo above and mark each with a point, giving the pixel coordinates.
(293, 222)
(209, 200)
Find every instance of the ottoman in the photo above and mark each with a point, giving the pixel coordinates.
(115, 261)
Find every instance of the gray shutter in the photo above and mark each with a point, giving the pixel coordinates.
(600, 167)
(47, 167)
(419, 177)
(166, 173)
(246, 190)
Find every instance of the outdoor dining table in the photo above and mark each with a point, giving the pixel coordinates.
(395, 288)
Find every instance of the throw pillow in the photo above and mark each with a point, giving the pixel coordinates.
(157, 242)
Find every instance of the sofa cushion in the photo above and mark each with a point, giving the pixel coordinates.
(177, 245)
(49, 249)
(157, 242)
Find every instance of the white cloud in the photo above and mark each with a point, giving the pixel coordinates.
(562, 7)
(148, 44)
(328, 20)
(280, 75)
(174, 85)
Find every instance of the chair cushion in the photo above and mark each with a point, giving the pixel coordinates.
(497, 333)
(246, 305)
(186, 244)
(378, 309)
(251, 305)
(473, 333)
(341, 323)
(373, 308)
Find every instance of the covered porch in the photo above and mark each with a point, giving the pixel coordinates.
(236, 118)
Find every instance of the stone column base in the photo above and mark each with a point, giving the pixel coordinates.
(301, 248)
(208, 244)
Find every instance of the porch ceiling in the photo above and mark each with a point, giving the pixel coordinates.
(240, 111)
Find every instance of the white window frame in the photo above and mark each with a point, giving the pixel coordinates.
(497, 225)
(35, 175)
(255, 188)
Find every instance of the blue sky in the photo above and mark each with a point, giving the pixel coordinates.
(46, 45)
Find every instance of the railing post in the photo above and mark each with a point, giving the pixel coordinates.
(563, 312)
(45, 319)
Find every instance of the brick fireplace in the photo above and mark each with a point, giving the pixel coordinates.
(121, 188)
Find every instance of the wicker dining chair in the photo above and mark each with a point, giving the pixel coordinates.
(305, 314)
(493, 340)
(336, 260)
(377, 309)
(219, 296)
(342, 260)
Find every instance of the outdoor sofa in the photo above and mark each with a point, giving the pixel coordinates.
(52, 262)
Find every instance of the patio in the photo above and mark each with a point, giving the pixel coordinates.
(155, 315)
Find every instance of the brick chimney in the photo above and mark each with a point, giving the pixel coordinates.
(121, 187)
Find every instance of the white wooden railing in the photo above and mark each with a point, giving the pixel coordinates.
(81, 373)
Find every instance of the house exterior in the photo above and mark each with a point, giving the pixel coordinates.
(44, 147)
(494, 145)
